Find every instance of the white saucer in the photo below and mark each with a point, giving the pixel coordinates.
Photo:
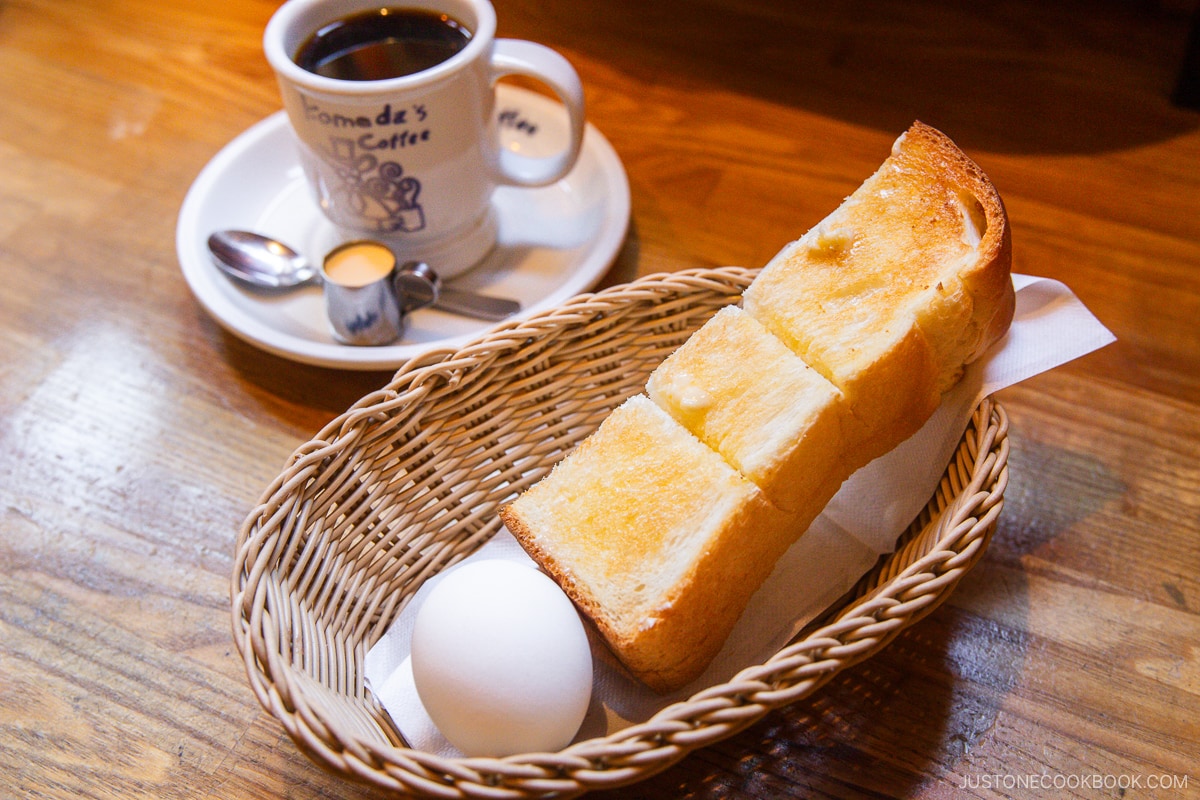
(554, 242)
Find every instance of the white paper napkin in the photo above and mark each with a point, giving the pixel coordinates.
(1050, 327)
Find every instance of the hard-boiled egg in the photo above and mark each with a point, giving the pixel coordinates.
(501, 661)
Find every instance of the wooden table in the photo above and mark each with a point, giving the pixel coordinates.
(135, 434)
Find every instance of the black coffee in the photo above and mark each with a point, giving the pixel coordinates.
(382, 43)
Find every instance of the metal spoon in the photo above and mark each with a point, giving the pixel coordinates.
(265, 263)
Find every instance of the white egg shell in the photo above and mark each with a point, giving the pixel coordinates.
(501, 661)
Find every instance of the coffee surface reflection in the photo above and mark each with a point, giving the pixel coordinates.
(382, 43)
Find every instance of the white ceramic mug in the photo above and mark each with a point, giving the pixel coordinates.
(414, 160)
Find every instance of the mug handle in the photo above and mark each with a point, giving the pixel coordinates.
(519, 57)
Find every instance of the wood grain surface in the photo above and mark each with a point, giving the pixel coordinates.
(135, 434)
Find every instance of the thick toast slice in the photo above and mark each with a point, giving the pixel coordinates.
(742, 392)
(637, 525)
(894, 292)
(660, 526)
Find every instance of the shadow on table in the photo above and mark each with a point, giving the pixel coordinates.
(317, 393)
(913, 713)
(1031, 76)
(880, 728)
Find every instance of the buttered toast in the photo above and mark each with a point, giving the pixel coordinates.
(637, 525)
(894, 292)
(662, 523)
(775, 419)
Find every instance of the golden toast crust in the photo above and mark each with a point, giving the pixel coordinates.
(653, 529)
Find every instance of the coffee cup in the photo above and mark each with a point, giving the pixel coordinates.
(392, 106)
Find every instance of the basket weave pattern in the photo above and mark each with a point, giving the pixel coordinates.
(410, 479)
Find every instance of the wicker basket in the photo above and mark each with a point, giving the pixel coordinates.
(409, 481)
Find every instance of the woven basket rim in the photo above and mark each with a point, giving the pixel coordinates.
(941, 545)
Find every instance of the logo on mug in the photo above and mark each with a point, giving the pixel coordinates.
(378, 193)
